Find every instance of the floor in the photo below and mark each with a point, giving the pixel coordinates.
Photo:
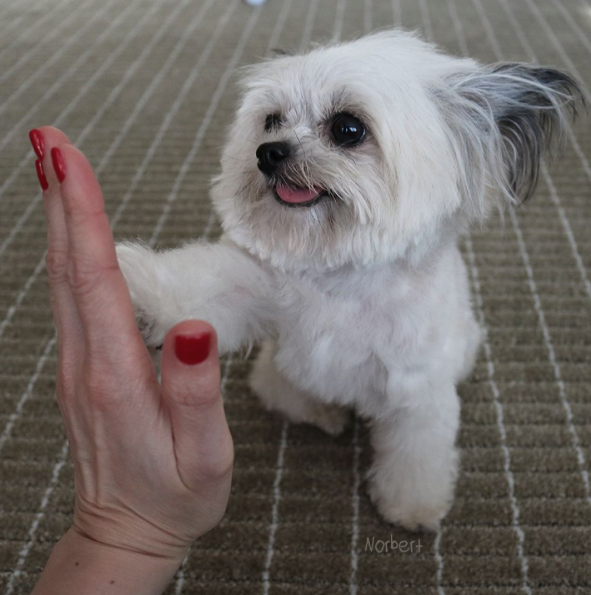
(146, 88)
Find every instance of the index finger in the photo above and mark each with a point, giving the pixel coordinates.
(97, 283)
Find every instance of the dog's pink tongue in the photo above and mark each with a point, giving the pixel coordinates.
(296, 196)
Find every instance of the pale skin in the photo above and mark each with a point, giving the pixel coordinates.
(153, 462)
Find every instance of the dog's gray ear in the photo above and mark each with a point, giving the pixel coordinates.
(509, 116)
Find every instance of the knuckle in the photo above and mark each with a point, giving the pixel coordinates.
(220, 465)
(81, 279)
(206, 399)
(56, 263)
(84, 280)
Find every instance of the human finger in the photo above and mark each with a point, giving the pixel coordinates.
(63, 306)
(94, 276)
(191, 392)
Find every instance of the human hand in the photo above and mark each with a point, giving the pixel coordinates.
(152, 463)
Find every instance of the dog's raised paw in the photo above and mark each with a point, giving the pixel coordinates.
(135, 264)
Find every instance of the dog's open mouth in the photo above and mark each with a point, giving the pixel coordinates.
(298, 197)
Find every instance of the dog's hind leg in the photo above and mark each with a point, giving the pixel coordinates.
(278, 394)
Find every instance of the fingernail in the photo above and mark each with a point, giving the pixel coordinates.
(59, 165)
(41, 174)
(192, 349)
(38, 142)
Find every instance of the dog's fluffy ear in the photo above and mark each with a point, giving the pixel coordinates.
(505, 119)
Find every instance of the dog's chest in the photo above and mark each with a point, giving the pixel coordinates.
(342, 339)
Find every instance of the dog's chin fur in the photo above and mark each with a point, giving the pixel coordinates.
(362, 297)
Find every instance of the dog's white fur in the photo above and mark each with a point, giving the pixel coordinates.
(362, 300)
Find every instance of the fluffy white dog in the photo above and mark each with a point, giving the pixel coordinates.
(349, 174)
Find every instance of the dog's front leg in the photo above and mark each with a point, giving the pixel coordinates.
(218, 283)
(414, 470)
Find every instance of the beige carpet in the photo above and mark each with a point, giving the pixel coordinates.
(146, 89)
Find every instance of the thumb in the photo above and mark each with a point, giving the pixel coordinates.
(190, 372)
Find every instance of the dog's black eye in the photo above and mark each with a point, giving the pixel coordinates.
(272, 122)
(347, 130)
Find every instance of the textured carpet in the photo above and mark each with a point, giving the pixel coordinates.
(146, 89)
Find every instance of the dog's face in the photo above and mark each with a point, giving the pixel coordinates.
(379, 149)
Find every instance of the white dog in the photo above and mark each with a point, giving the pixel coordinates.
(348, 177)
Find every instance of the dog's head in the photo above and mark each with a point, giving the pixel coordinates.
(381, 148)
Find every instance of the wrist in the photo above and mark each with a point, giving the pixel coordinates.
(172, 557)
(79, 564)
(120, 531)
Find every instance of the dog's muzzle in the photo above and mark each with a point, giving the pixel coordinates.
(270, 157)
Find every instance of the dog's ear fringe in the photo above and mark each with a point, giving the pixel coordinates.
(504, 120)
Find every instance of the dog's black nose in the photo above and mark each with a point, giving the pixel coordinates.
(270, 155)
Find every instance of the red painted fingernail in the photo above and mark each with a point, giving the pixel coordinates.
(41, 174)
(59, 165)
(191, 349)
(38, 142)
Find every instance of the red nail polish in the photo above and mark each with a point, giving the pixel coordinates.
(41, 174)
(59, 165)
(38, 142)
(191, 349)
